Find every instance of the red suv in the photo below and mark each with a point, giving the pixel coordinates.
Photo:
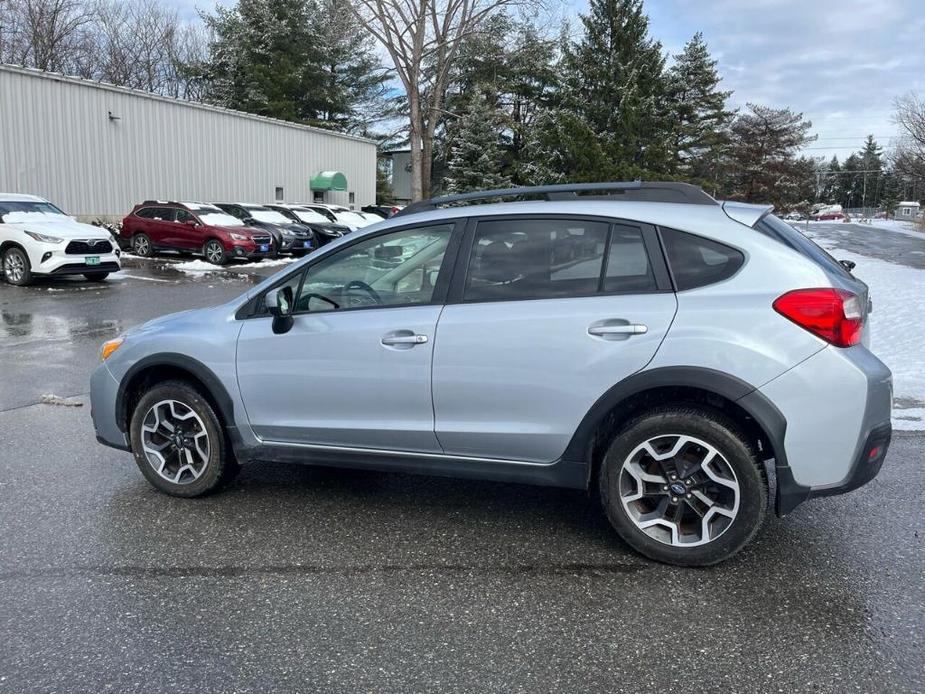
(194, 228)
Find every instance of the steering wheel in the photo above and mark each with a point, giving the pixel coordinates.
(359, 284)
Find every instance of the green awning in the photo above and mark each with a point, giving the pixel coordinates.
(328, 180)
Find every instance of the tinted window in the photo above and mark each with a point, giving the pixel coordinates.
(400, 268)
(535, 259)
(184, 216)
(628, 268)
(696, 261)
(145, 213)
(162, 213)
(777, 229)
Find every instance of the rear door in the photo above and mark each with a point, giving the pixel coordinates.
(544, 316)
(163, 229)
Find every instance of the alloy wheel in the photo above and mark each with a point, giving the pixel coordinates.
(214, 252)
(141, 246)
(175, 441)
(14, 267)
(679, 490)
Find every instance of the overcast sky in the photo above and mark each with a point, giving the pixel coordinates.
(840, 62)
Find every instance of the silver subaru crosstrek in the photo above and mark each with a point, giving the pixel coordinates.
(674, 352)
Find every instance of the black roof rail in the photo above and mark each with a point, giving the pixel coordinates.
(630, 191)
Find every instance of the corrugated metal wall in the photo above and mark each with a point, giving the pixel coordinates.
(57, 141)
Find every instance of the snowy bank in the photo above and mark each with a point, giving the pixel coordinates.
(897, 330)
(201, 266)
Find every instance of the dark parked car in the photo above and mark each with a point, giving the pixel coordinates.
(384, 211)
(325, 230)
(193, 227)
(288, 236)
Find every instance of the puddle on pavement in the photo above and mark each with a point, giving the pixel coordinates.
(45, 327)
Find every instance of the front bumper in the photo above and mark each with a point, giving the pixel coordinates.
(51, 259)
(104, 390)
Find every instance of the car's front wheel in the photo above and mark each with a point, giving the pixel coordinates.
(214, 252)
(177, 441)
(684, 486)
(16, 267)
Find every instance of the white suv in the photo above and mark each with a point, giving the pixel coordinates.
(38, 239)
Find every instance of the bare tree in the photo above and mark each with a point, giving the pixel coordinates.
(45, 34)
(422, 38)
(909, 155)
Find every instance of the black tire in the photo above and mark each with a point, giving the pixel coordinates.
(214, 252)
(714, 428)
(16, 267)
(220, 468)
(141, 246)
(96, 276)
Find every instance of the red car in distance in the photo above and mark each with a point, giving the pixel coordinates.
(192, 227)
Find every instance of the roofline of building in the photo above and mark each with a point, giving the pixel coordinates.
(82, 81)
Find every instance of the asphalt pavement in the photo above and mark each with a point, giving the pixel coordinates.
(315, 579)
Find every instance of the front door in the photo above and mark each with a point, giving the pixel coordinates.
(355, 368)
(551, 314)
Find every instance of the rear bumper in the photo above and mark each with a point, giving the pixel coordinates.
(837, 407)
(866, 466)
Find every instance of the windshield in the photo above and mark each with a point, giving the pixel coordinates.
(311, 217)
(219, 219)
(776, 228)
(268, 216)
(12, 211)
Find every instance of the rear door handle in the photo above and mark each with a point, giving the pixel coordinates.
(404, 339)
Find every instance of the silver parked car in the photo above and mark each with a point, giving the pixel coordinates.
(643, 339)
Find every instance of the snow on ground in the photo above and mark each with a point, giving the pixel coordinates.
(201, 266)
(907, 228)
(897, 330)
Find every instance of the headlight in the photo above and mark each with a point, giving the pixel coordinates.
(109, 347)
(238, 237)
(43, 238)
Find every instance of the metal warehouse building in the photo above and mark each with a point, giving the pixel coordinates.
(95, 150)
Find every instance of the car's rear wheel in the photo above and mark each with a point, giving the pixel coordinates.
(214, 252)
(96, 276)
(178, 442)
(16, 267)
(684, 486)
(141, 245)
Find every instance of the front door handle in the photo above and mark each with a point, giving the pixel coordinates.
(403, 339)
(617, 329)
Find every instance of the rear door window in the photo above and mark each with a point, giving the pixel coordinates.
(695, 261)
(535, 259)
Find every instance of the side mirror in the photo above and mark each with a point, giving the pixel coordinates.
(279, 302)
(849, 265)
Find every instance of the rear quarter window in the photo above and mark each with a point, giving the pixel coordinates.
(695, 261)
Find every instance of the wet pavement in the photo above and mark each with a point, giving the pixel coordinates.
(313, 579)
(892, 246)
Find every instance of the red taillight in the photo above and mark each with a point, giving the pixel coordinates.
(832, 314)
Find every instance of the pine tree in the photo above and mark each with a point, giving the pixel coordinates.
(474, 159)
(871, 156)
(619, 88)
(762, 164)
(699, 108)
(300, 60)
(830, 187)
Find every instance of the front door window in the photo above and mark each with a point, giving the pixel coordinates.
(397, 269)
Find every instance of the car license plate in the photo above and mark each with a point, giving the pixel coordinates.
(264, 248)
(93, 260)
